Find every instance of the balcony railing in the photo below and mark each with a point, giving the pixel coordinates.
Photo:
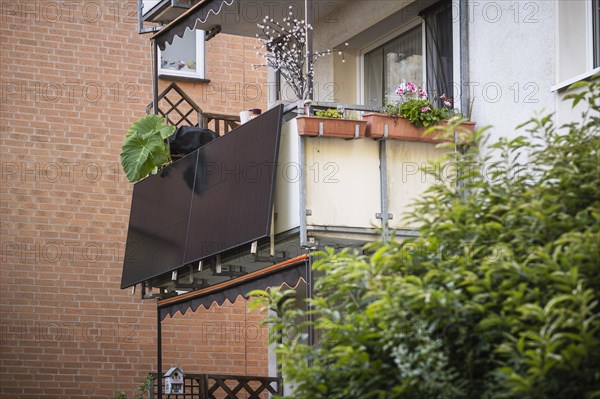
(213, 386)
(179, 109)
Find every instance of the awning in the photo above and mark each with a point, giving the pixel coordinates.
(289, 273)
(234, 17)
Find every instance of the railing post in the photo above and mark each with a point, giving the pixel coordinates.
(204, 386)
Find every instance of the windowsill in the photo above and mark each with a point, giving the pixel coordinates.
(566, 83)
(180, 78)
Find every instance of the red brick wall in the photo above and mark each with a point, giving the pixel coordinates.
(74, 75)
(235, 85)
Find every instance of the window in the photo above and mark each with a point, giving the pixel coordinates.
(439, 51)
(184, 57)
(388, 65)
(406, 58)
(578, 36)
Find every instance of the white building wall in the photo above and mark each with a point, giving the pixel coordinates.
(511, 62)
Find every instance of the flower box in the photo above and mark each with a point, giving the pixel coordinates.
(382, 125)
(331, 127)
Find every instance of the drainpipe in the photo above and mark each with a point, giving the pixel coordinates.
(465, 98)
(383, 179)
(158, 355)
(303, 223)
(140, 16)
(308, 11)
(155, 76)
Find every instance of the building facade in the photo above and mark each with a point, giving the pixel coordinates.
(76, 74)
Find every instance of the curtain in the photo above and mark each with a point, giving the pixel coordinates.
(404, 62)
(438, 39)
(374, 78)
(387, 66)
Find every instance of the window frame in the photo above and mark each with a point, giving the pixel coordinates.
(592, 47)
(595, 32)
(200, 73)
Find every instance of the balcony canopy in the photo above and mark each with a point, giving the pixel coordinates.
(289, 273)
(235, 17)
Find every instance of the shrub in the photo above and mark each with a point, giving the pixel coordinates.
(497, 298)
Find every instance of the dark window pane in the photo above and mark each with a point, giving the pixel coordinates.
(438, 36)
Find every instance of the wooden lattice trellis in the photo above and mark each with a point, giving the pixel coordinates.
(179, 109)
(210, 386)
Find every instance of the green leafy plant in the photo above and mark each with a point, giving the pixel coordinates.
(145, 148)
(120, 395)
(415, 106)
(144, 387)
(330, 113)
(498, 297)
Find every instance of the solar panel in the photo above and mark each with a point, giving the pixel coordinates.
(215, 199)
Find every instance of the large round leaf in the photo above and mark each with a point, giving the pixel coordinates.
(144, 148)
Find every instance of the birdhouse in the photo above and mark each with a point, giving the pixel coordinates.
(174, 381)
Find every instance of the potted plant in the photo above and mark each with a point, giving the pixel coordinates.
(409, 118)
(146, 148)
(331, 123)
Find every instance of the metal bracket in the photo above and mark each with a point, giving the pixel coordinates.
(356, 131)
(390, 216)
(386, 131)
(321, 129)
(212, 33)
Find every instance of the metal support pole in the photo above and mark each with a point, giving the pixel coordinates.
(140, 16)
(308, 11)
(309, 295)
(465, 100)
(385, 215)
(303, 222)
(155, 76)
(158, 355)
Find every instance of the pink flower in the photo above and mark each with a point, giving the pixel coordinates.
(422, 93)
(411, 87)
(447, 103)
(399, 91)
(425, 109)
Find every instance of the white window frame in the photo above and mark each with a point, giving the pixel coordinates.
(200, 60)
(589, 40)
(380, 42)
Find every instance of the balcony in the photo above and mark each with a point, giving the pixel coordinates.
(326, 191)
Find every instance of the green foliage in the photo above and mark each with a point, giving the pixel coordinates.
(120, 395)
(419, 112)
(329, 113)
(145, 386)
(145, 149)
(497, 298)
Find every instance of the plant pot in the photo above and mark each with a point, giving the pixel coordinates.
(382, 125)
(331, 127)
